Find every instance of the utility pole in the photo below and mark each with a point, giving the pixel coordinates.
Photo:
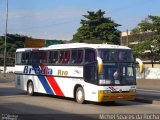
(127, 38)
(5, 42)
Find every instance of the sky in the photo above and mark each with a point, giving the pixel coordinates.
(60, 19)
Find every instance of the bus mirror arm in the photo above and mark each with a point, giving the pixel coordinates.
(140, 63)
(100, 65)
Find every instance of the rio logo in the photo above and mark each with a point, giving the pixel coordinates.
(37, 70)
(62, 73)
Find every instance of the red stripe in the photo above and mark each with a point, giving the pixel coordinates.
(54, 85)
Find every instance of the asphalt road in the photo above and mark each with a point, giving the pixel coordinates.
(148, 93)
(16, 104)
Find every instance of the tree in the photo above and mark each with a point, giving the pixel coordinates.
(96, 28)
(148, 31)
(14, 41)
(151, 23)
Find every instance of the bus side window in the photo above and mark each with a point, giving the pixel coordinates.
(80, 56)
(19, 58)
(43, 56)
(73, 56)
(27, 57)
(50, 56)
(35, 57)
(61, 57)
(64, 57)
(24, 58)
(90, 73)
(77, 57)
(67, 57)
(53, 57)
(89, 55)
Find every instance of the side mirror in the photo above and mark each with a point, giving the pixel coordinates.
(141, 66)
(100, 65)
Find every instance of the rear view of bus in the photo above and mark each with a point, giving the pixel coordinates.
(116, 74)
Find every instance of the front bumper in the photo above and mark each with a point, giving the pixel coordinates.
(104, 97)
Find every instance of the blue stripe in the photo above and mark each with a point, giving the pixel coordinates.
(44, 82)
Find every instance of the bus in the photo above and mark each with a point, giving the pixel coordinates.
(85, 72)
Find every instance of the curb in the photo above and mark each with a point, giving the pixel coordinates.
(146, 100)
(156, 102)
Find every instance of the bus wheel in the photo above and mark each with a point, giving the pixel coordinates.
(30, 89)
(79, 95)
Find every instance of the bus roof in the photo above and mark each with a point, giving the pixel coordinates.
(76, 45)
(85, 45)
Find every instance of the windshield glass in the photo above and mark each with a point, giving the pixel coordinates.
(110, 55)
(118, 73)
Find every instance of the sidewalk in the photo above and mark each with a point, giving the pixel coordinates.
(149, 84)
(8, 77)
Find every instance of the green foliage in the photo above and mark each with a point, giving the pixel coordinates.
(97, 29)
(14, 41)
(139, 49)
(151, 44)
(148, 38)
(151, 23)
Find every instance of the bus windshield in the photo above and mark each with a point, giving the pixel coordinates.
(118, 73)
(110, 55)
(118, 67)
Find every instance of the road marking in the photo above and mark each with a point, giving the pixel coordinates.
(149, 90)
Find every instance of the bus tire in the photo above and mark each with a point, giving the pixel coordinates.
(79, 97)
(30, 88)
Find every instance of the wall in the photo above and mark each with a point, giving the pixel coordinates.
(150, 84)
(8, 69)
(149, 73)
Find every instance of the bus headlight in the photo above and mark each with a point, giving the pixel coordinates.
(132, 90)
(104, 91)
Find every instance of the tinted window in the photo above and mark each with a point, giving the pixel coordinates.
(89, 56)
(115, 55)
(53, 57)
(90, 73)
(43, 56)
(64, 57)
(25, 57)
(34, 57)
(76, 56)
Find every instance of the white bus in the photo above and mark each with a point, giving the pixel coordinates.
(85, 72)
